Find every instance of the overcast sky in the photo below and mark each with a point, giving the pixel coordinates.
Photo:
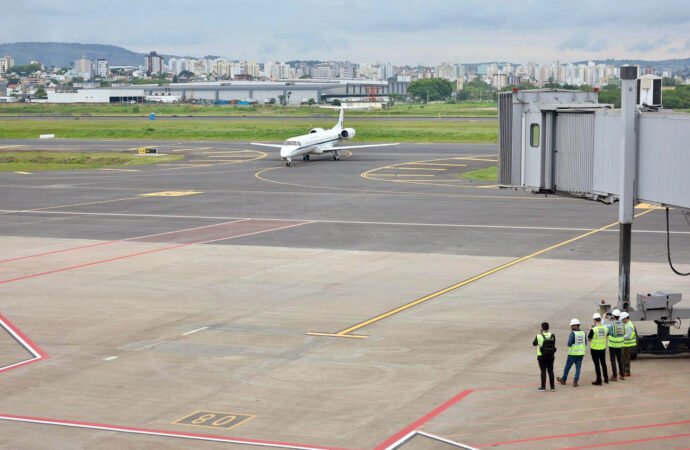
(400, 31)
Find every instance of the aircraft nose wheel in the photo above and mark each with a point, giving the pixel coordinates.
(288, 164)
(336, 156)
(305, 158)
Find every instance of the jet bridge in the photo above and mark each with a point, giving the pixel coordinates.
(567, 143)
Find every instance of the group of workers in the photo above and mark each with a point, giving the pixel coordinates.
(615, 330)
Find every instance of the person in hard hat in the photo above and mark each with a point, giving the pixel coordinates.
(597, 348)
(577, 344)
(545, 342)
(616, 339)
(629, 342)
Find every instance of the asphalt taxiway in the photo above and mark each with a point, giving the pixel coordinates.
(232, 300)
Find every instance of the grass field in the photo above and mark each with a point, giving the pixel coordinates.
(39, 161)
(371, 131)
(463, 109)
(488, 173)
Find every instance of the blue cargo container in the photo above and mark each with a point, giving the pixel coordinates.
(152, 116)
(222, 102)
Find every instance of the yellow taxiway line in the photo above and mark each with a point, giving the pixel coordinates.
(346, 332)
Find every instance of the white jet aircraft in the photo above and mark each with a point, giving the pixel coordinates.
(318, 142)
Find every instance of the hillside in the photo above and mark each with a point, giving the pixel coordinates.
(63, 54)
(668, 64)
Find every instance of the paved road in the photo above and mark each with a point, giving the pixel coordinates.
(406, 198)
(314, 116)
(330, 304)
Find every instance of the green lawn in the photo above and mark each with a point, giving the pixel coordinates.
(463, 109)
(373, 131)
(488, 173)
(39, 161)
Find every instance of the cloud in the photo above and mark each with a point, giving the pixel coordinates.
(682, 49)
(646, 46)
(583, 42)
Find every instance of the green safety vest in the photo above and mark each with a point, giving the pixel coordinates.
(599, 337)
(579, 345)
(617, 335)
(632, 342)
(540, 341)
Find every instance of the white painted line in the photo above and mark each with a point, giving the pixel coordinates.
(11, 146)
(353, 222)
(120, 429)
(110, 358)
(194, 331)
(17, 335)
(447, 441)
(121, 170)
(147, 346)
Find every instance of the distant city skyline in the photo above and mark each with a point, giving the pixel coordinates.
(411, 33)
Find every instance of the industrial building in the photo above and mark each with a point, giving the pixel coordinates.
(293, 92)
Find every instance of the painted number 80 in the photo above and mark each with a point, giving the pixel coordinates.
(221, 421)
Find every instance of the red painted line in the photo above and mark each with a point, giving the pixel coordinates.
(413, 426)
(148, 431)
(25, 277)
(25, 342)
(586, 433)
(19, 258)
(634, 441)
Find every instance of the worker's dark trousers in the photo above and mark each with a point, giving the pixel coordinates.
(546, 365)
(616, 354)
(599, 358)
(626, 360)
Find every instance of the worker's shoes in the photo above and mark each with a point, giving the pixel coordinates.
(574, 383)
(614, 378)
(622, 377)
(596, 383)
(541, 389)
(606, 380)
(560, 380)
(627, 374)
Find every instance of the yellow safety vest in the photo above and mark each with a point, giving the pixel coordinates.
(540, 341)
(579, 345)
(599, 337)
(632, 342)
(617, 335)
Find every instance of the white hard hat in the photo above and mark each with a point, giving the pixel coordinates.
(616, 312)
(574, 322)
(624, 315)
(596, 316)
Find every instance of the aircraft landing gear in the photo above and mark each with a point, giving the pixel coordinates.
(336, 156)
(288, 163)
(305, 158)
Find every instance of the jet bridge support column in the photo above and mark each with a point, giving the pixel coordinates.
(626, 203)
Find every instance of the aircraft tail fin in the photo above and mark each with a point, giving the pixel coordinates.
(341, 118)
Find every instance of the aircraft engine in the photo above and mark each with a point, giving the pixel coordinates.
(347, 133)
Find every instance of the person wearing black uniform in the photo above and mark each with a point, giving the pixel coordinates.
(546, 351)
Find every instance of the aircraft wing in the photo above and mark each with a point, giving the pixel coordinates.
(267, 145)
(348, 147)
